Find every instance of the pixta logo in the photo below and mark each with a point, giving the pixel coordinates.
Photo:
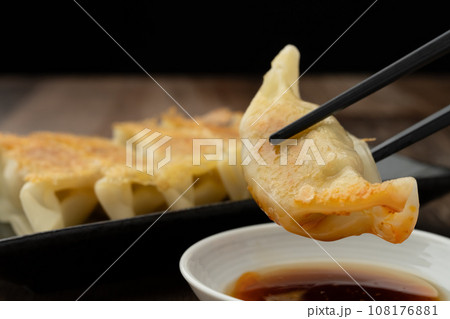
(144, 144)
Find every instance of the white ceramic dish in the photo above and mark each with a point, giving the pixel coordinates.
(210, 265)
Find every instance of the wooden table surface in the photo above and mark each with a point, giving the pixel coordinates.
(89, 104)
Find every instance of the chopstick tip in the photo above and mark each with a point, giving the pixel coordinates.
(274, 139)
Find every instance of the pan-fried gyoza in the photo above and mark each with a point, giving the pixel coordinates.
(328, 187)
(217, 179)
(47, 179)
(52, 180)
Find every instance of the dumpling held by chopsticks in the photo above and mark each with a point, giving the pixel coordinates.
(322, 183)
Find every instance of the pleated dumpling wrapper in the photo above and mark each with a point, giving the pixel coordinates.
(216, 179)
(323, 182)
(47, 179)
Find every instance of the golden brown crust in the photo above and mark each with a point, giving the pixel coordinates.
(220, 123)
(47, 156)
(51, 156)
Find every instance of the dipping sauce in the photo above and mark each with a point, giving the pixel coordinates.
(327, 281)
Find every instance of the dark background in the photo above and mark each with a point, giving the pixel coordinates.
(213, 37)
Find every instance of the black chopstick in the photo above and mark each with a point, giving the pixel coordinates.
(409, 63)
(414, 133)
